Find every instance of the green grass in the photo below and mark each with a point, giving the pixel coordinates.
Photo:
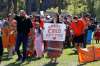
(66, 59)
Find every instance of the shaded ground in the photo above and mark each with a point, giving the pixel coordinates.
(68, 58)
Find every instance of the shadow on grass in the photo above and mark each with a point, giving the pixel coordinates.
(68, 47)
(14, 64)
(51, 64)
(73, 53)
(30, 59)
(47, 57)
(83, 64)
(5, 57)
(5, 54)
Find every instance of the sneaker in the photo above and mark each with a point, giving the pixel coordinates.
(19, 58)
(23, 60)
(0, 61)
(9, 57)
(74, 49)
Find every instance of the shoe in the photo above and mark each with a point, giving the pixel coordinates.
(74, 49)
(19, 58)
(9, 57)
(23, 60)
(0, 61)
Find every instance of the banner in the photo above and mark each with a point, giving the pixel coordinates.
(91, 54)
(54, 32)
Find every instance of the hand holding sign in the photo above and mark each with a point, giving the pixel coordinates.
(54, 32)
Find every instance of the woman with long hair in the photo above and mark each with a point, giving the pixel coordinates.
(55, 47)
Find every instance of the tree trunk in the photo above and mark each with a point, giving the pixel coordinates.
(90, 4)
(15, 6)
(28, 6)
(9, 6)
(38, 5)
(60, 6)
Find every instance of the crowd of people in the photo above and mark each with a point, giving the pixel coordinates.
(27, 31)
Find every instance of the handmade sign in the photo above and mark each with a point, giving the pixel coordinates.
(54, 32)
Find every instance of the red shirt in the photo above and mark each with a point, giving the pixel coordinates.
(85, 23)
(78, 28)
(41, 24)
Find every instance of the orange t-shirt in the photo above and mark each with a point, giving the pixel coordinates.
(77, 28)
(85, 23)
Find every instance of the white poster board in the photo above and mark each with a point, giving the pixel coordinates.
(42, 13)
(54, 32)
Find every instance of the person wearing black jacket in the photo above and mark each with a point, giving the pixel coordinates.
(24, 25)
(90, 30)
(1, 44)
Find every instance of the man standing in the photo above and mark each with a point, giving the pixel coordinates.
(86, 20)
(77, 29)
(23, 28)
(1, 45)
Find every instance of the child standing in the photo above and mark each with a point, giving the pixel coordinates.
(38, 41)
(97, 34)
(11, 38)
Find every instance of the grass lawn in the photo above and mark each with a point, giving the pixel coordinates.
(66, 59)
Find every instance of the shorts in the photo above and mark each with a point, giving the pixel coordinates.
(78, 39)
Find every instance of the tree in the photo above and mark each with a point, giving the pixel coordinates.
(38, 5)
(97, 9)
(60, 5)
(9, 6)
(76, 7)
(90, 7)
(28, 6)
(15, 6)
(12, 6)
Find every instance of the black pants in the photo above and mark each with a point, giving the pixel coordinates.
(24, 39)
(1, 48)
(85, 37)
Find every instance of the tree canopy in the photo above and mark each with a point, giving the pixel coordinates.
(73, 7)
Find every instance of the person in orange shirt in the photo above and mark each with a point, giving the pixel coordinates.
(11, 37)
(77, 30)
(86, 20)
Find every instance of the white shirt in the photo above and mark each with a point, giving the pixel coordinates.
(1, 25)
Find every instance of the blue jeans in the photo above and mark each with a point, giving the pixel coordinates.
(85, 37)
(21, 37)
(89, 37)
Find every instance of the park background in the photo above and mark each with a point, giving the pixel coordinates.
(73, 7)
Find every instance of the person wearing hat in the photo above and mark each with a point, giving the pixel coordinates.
(24, 26)
(77, 30)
